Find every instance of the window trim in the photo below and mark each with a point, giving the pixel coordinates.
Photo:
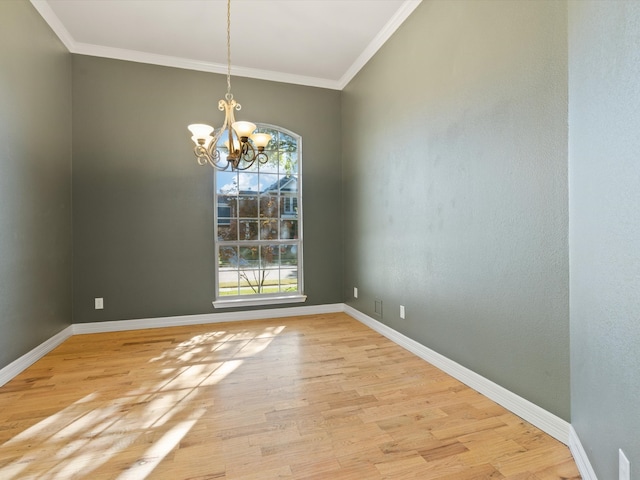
(263, 300)
(299, 296)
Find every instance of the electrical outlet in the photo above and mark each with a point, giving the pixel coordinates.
(624, 467)
(402, 311)
(99, 303)
(377, 308)
(355, 292)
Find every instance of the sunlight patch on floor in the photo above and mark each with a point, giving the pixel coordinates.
(100, 427)
(161, 448)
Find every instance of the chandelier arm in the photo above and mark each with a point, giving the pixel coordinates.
(248, 151)
(214, 154)
(246, 165)
(219, 166)
(233, 142)
(205, 156)
(262, 158)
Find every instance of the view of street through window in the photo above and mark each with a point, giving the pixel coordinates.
(258, 223)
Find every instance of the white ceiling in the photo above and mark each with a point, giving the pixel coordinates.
(321, 43)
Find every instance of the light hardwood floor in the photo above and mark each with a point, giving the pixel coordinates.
(316, 397)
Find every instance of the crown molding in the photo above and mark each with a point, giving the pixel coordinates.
(389, 29)
(43, 8)
(45, 11)
(199, 65)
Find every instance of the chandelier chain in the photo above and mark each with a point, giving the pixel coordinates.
(228, 47)
(243, 147)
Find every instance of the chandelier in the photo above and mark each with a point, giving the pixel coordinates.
(242, 147)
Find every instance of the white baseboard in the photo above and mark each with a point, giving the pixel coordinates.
(142, 323)
(19, 365)
(541, 418)
(580, 456)
(546, 421)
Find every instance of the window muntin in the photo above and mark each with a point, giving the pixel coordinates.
(259, 225)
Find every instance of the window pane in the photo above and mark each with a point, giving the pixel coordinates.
(248, 230)
(249, 257)
(288, 184)
(289, 285)
(227, 182)
(228, 257)
(251, 282)
(288, 229)
(288, 162)
(227, 229)
(289, 207)
(287, 143)
(268, 183)
(227, 211)
(288, 268)
(228, 271)
(272, 165)
(270, 256)
(248, 206)
(268, 229)
(228, 282)
(224, 212)
(289, 255)
(269, 206)
(247, 182)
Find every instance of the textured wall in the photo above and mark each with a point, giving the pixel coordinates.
(455, 189)
(604, 179)
(143, 208)
(35, 181)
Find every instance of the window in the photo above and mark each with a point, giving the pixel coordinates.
(224, 214)
(290, 205)
(259, 227)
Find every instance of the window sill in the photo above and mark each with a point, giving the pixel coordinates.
(252, 302)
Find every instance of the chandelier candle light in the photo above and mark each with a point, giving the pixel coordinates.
(243, 146)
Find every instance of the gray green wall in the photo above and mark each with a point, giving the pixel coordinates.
(143, 208)
(455, 189)
(604, 199)
(454, 193)
(35, 181)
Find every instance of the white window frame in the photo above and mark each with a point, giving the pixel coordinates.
(258, 299)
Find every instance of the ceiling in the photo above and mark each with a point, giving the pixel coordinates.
(321, 43)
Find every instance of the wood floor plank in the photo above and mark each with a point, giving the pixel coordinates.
(316, 397)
